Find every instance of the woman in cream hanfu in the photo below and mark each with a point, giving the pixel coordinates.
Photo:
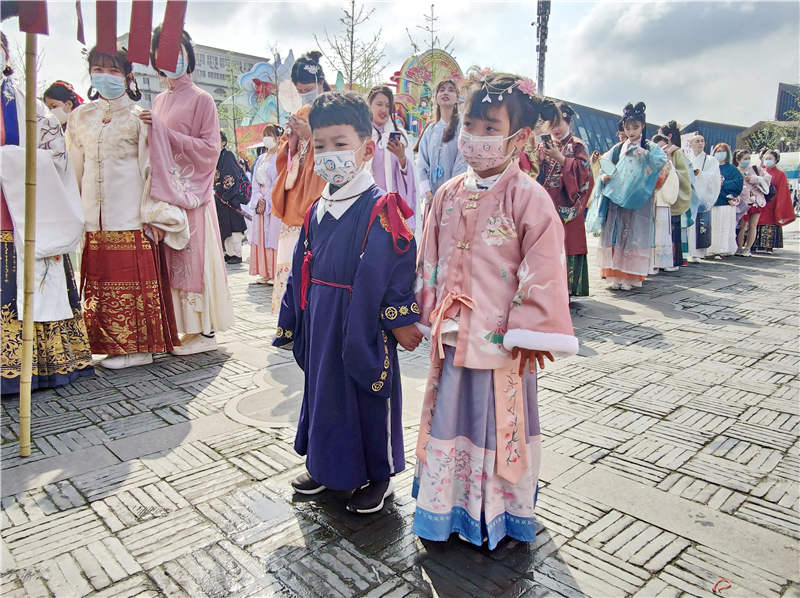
(492, 287)
(61, 352)
(125, 286)
(185, 147)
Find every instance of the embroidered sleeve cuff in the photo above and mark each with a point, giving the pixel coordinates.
(395, 316)
(561, 345)
(283, 338)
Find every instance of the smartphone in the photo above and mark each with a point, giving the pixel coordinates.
(547, 139)
(396, 136)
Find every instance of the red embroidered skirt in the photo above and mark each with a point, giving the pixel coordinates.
(126, 294)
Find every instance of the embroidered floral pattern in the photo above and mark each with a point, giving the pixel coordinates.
(499, 229)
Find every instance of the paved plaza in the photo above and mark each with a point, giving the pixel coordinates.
(671, 464)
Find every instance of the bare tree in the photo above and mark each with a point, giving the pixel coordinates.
(431, 41)
(360, 61)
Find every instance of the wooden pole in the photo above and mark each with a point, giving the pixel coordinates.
(31, 143)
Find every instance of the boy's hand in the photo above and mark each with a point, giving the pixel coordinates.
(409, 336)
(530, 356)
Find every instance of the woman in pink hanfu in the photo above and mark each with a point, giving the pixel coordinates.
(184, 148)
(492, 287)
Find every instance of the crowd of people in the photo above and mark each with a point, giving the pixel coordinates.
(475, 238)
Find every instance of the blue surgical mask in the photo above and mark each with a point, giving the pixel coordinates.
(109, 86)
(721, 156)
(769, 163)
(180, 68)
(744, 163)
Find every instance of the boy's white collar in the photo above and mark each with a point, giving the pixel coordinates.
(360, 183)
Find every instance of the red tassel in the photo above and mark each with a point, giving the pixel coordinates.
(141, 31)
(397, 210)
(107, 26)
(305, 279)
(33, 16)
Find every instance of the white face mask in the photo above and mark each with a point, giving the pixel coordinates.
(180, 67)
(269, 142)
(769, 163)
(484, 153)
(309, 96)
(339, 167)
(60, 114)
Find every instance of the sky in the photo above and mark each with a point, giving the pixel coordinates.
(717, 61)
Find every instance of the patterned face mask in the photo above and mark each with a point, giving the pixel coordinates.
(483, 153)
(338, 168)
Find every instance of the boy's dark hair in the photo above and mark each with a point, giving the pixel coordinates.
(120, 60)
(307, 69)
(186, 43)
(341, 108)
(223, 137)
(659, 137)
(524, 110)
(672, 132)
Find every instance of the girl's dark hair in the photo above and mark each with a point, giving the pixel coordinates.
(8, 71)
(636, 113)
(567, 113)
(272, 129)
(620, 127)
(186, 42)
(450, 131)
(378, 90)
(524, 110)
(419, 139)
(775, 154)
(63, 92)
(659, 137)
(672, 132)
(120, 60)
(737, 155)
(307, 69)
(722, 146)
(341, 108)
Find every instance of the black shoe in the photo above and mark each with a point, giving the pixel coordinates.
(234, 259)
(369, 499)
(227, 258)
(305, 484)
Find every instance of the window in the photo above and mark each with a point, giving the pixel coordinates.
(200, 59)
(212, 62)
(201, 73)
(224, 62)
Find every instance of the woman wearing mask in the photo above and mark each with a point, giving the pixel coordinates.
(185, 145)
(439, 159)
(723, 214)
(296, 186)
(265, 227)
(393, 163)
(751, 201)
(778, 211)
(61, 99)
(127, 308)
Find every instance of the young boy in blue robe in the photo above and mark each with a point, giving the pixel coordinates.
(348, 303)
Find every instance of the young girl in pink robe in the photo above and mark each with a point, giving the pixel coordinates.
(492, 288)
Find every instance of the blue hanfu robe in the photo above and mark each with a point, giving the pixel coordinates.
(350, 427)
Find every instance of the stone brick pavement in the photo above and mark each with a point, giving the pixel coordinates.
(671, 465)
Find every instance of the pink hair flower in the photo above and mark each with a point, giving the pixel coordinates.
(484, 71)
(527, 85)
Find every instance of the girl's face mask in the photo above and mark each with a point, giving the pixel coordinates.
(180, 67)
(269, 142)
(484, 153)
(339, 167)
(107, 85)
(721, 156)
(769, 163)
(744, 163)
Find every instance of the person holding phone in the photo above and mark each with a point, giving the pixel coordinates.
(393, 163)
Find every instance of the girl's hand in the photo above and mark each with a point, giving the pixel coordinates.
(146, 117)
(399, 150)
(605, 178)
(301, 129)
(554, 154)
(408, 336)
(530, 357)
(261, 206)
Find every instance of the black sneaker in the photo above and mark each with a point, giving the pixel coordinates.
(305, 484)
(369, 498)
(234, 259)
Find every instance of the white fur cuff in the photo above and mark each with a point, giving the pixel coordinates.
(562, 345)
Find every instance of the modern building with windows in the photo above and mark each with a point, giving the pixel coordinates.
(214, 70)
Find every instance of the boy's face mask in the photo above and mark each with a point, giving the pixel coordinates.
(339, 167)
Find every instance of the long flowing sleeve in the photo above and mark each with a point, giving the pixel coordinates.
(230, 173)
(684, 172)
(424, 161)
(256, 191)
(539, 317)
(428, 264)
(576, 177)
(288, 334)
(76, 153)
(784, 211)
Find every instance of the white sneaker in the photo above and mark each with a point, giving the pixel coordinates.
(624, 286)
(746, 253)
(671, 269)
(195, 343)
(120, 362)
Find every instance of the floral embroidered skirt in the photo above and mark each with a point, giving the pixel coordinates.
(768, 236)
(61, 351)
(127, 306)
(457, 489)
(578, 275)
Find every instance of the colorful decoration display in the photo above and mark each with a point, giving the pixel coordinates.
(264, 90)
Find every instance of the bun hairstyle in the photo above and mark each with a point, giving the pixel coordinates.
(503, 89)
(672, 132)
(737, 156)
(8, 71)
(273, 130)
(186, 44)
(567, 113)
(636, 113)
(120, 60)
(723, 147)
(450, 131)
(658, 137)
(775, 154)
(63, 92)
(307, 69)
(383, 89)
